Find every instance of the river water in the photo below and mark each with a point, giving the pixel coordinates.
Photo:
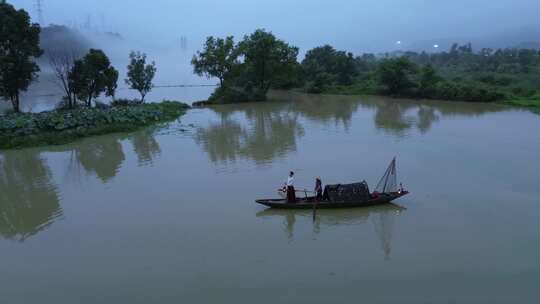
(167, 214)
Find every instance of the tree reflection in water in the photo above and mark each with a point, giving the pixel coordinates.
(270, 131)
(261, 132)
(265, 131)
(102, 156)
(390, 117)
(145, 146)
(426, 117)
(382, 217)
(400, 116)
(29, 201)
(327, 109)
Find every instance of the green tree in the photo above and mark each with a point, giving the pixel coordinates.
(140, 75)
(218, 58)
(267, 60)
(338, 67)
(526, 59)
(394, 74)
(19, 46)
(428, 79)
(111, 83)
(93, 75)
(345, 68)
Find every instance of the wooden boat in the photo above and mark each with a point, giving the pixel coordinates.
(347, 195)
(333, 217)
(311, 202)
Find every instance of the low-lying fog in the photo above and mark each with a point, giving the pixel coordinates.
(159, 28)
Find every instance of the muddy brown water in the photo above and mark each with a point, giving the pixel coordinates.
(167, 215)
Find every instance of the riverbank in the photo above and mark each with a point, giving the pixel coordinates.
(532, 103)
(64, 126)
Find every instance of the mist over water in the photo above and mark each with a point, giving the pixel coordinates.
(173, 69)
(158, 27)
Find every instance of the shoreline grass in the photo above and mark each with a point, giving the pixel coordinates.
(532, 103)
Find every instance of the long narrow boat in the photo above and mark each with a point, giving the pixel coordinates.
(311, 202)
(347, 195)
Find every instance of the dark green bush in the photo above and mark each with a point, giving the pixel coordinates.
(522, 92)
(122, 102)
(495, 80)
(449, 90)
(236, 94)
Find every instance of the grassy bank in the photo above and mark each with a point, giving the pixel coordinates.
(61, 127)
(471, 92)
(532, 103)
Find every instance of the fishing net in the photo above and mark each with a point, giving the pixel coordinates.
(388, 182)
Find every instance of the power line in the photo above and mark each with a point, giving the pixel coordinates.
(126, 88)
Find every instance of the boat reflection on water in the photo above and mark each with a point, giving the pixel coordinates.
(382, 217)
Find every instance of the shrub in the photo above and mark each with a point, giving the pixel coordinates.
(123, 102)
(465, 92)
(495, 80)
(314, 88)
(519, 91)
(101, 105)
(236, 94)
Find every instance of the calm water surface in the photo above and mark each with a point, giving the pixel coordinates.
(166, 215)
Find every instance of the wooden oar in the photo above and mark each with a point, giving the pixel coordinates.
(315, 210)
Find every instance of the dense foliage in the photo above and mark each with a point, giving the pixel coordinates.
(19, 46)
(267, 60)
(247, 70)
(93, 75)
(261, 61)
(324, 66)
(395, 74)
(218, 58)
(458, 74)
(58, 127)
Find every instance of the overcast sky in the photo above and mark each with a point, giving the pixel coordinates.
(366, 24)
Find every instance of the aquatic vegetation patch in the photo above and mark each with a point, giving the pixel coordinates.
(63, 126)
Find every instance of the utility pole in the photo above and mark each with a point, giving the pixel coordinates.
(39, 9)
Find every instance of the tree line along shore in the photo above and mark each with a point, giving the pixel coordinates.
(246, 70)
(260, 61)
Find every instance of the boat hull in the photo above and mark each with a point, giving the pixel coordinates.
(310, 202)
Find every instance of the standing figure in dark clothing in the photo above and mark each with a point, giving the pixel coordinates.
(291, 194)
(318, 189)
